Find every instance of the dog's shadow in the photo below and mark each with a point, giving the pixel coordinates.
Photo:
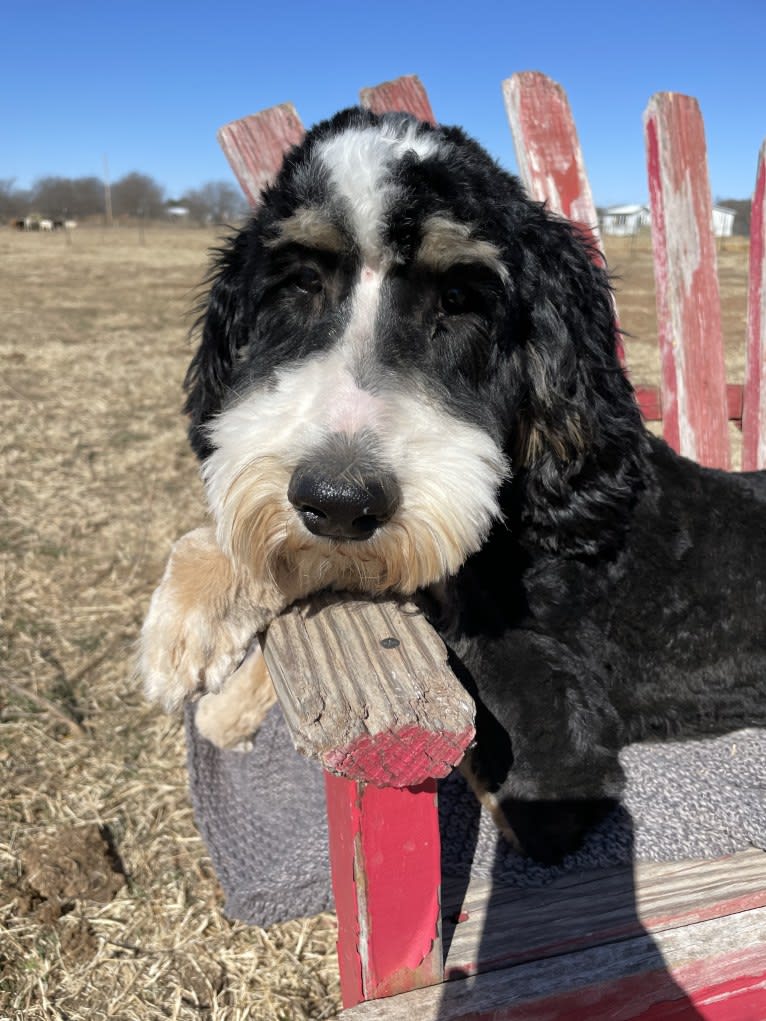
(575, 940)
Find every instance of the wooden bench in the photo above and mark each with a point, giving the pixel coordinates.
(365, 687)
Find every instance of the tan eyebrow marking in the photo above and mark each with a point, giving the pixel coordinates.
(447, 242)
(309, 227)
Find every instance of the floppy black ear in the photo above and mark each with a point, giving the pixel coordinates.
(579, 438)
(222, 326)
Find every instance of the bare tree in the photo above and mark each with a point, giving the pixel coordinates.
(137, 195)
(215, 202)
(67, 197)
(14, 202)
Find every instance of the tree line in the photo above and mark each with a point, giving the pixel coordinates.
(133, 196)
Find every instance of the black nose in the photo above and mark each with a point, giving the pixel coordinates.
(341, 507)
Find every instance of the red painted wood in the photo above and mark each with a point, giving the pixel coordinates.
(548, 153)
(385, 859)
(754, 400)
(406, 94)
(255, 146)
(343, 822)
(688, 303)
(742, 999)
(731, 987)
(547, 148)
(400, 758)
(650, 401)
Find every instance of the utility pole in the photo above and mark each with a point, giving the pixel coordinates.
(107, 194)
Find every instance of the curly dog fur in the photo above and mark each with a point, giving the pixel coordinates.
(407, 381)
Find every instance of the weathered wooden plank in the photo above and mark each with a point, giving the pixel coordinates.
(548, 154)
(255, 146)
(688, 303)
(406, 94)
(385, 859)
(547, 148)
(650, 401)
(366, 690)
(595, 908)
(714, 969)
(754, 400)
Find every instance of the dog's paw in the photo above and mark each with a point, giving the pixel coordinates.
(230, 718)
(200, 623)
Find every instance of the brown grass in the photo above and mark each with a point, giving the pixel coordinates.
(97, 481)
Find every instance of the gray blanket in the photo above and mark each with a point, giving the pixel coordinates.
(262, 816)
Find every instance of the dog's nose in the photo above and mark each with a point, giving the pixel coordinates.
(339, 507)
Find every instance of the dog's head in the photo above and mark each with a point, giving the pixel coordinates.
(396, 332)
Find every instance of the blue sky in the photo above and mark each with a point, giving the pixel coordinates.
(148, 84)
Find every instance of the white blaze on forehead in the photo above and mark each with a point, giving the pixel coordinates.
(353, 409)
(359, 160)
(365, 300)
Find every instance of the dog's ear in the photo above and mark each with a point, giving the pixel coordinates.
(578, 438)
(222, 328)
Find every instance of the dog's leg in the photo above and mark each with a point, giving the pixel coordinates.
(546, 759)
(230, 717)
(201, 621)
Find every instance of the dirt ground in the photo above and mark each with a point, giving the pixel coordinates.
(109, 907)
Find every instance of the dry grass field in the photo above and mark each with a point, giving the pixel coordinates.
(109, 908)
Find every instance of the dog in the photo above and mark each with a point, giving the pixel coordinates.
(408, 382)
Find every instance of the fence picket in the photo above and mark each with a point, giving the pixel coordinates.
(406, 94)
(688, 303)
(256, 145)
(754, 398)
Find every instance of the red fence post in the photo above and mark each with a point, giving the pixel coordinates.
(688, 303)
(405, 94)
(548, 154)
(256, 145)
(547, 148)
(385, 853)
(754, 398)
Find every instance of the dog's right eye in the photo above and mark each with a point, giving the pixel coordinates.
(308, 280)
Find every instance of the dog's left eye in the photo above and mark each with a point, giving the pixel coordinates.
(454, 300)
(308, 280)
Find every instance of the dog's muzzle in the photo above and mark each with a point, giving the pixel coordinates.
(340, 496)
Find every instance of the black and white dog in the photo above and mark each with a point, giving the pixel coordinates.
(407, 382)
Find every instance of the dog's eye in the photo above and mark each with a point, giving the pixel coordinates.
(307, 279)
(454, 300)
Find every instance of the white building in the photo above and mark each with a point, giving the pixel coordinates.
(625, 220)
(628, 220)
(723, 221)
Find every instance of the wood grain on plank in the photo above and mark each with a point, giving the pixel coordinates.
(366, 689)
(716, 965)
(506, 925)
(255, 146)
(405, 94)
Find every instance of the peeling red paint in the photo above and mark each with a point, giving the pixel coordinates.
(405, 94)
(688, 303)
(386, 867)
(754, 401)
(399, 758)
(255, 146)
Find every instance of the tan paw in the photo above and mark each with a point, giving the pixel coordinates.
(201, 622)
(230, 718)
